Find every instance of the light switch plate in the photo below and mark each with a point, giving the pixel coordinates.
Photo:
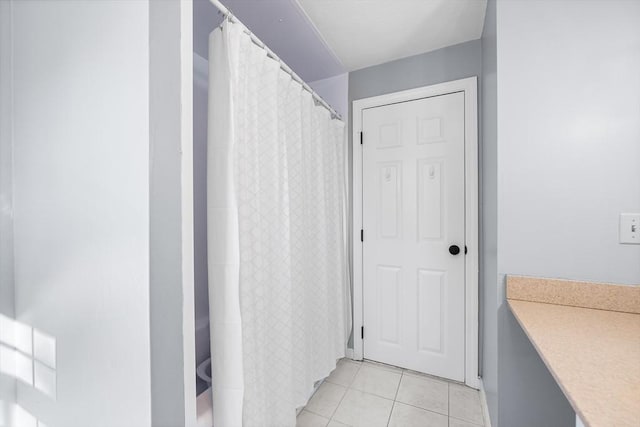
(630, 228)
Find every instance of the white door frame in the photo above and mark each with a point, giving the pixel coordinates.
(470, 88)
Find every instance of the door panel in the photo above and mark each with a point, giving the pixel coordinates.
(430, 310)
(390, 186)
(413, 210)
(389, 278)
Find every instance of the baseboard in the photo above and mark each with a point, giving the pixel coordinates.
(483, 402)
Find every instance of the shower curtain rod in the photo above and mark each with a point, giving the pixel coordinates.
(228, 14)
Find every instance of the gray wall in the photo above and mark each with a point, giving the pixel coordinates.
(528, 396)
(450, 63)
(170, 217)
(489, 212)
(568, 151)
(569, 131)
(519, 389)
(201, 295)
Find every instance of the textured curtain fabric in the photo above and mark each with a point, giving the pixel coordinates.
(279, 298)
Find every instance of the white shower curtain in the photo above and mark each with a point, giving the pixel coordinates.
(279, 298)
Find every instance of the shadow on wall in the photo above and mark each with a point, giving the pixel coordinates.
(16, 415)
(28, 355)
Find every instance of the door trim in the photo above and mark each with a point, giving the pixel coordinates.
(470, 88)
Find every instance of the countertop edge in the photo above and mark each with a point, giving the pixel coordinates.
(574, 404)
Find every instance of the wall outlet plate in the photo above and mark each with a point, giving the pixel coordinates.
(630, 228)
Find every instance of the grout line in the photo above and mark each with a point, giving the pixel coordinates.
(345, 393)
(468, 422)
(423, 409)
(354, 376)
(391, 412)
(394, 400)
(383, 366)
(449, 404)
(395, 396)
(431, 377)
(448, 400)
(340, 402)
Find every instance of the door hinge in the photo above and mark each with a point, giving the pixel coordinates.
(361, 138)
(362, 235)
(362, 332)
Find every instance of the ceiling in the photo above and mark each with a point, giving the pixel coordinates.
(324, 38)
(369, 32)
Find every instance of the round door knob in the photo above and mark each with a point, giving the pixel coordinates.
(454, 250)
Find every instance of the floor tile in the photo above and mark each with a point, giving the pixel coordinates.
(378, 381)
(344, 373)
(360, 409)
(409, 416)
(424, 393)
(308, 419)
(423, 375)
(326, 399)
(464, 404)
(372, 394)
(454, 422)
(382, 366)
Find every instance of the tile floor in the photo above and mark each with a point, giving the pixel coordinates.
(369, 394)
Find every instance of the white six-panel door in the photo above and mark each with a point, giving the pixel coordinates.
(413, 211)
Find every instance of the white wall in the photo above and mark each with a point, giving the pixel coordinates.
(81, 192)
(7, 381)
(569, 137)
(335, 91)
